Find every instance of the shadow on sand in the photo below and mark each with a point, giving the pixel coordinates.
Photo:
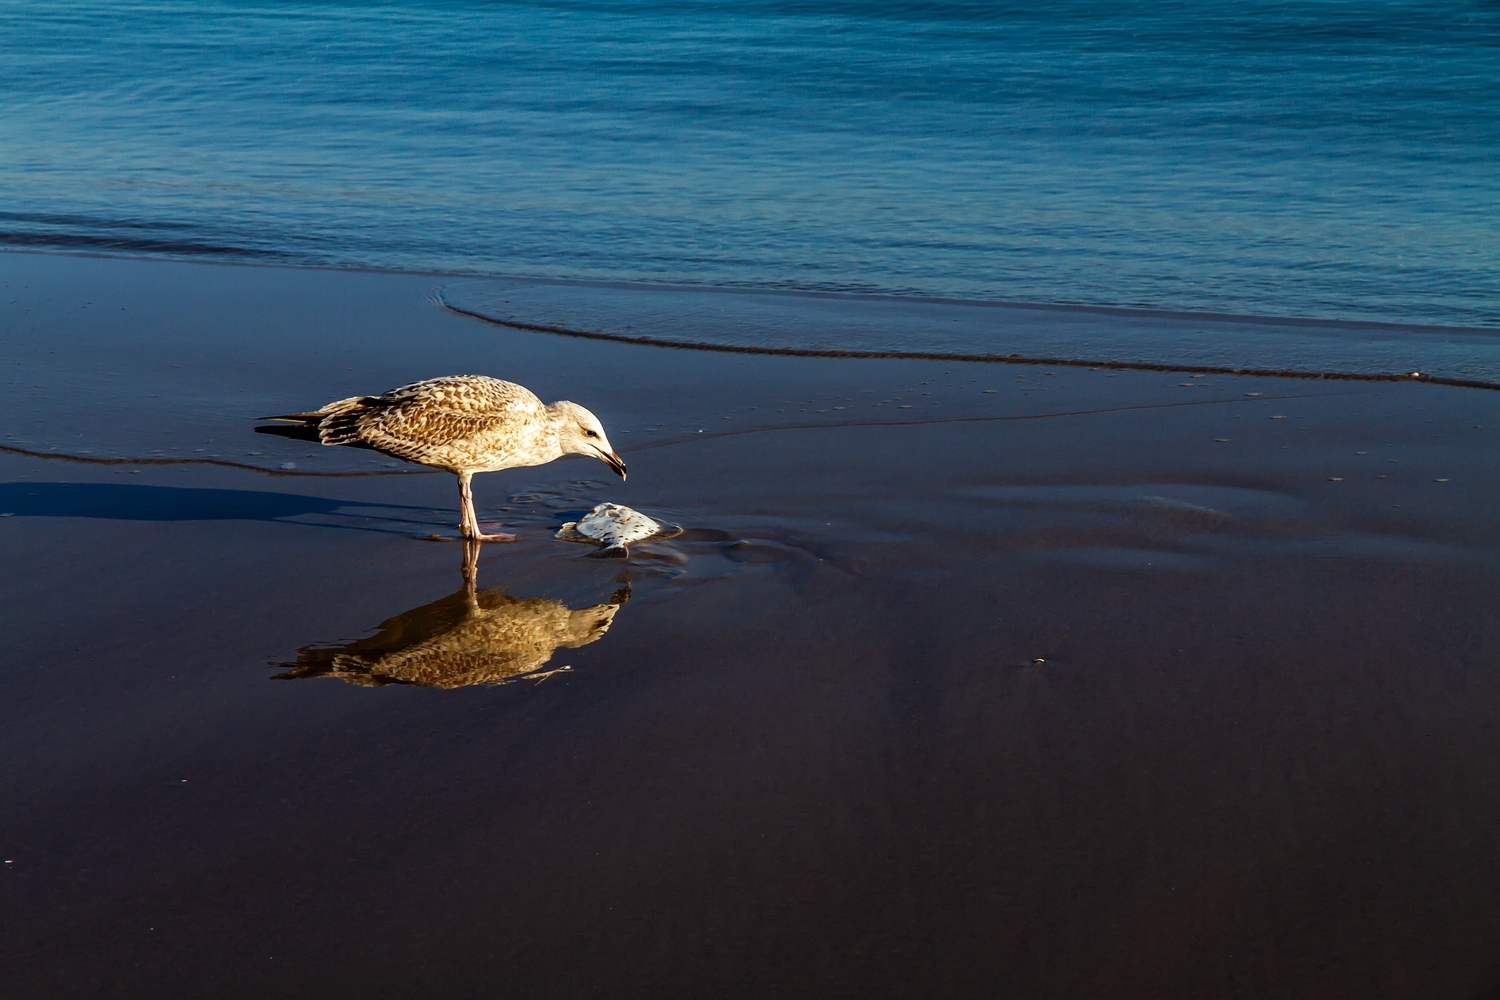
(125, 502)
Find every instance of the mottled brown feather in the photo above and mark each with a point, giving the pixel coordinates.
(462, 423)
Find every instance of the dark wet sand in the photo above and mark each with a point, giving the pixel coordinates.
(812, 755)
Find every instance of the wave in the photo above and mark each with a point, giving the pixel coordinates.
(138, 245)
(823, 324)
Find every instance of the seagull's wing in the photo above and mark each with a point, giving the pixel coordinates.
(415, 421)
(418, 437)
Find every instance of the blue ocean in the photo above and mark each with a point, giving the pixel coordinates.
(1316, 159)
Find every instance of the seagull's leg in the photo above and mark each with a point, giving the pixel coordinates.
(464, 496)
(469, 521)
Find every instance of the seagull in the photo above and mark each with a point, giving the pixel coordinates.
(462, 423)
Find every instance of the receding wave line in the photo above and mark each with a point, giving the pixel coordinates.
(138, 244)
(248, 467)
(1013, 359)
(825, 325)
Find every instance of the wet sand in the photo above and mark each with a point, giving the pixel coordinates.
(1036, 687)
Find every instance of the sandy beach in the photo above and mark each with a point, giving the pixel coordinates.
(963, 679)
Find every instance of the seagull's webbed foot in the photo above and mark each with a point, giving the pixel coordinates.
(499, 536)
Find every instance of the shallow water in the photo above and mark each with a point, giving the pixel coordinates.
(1310, 159)
(845, 324)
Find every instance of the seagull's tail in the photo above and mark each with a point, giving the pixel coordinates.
(340, 424)
(336, 423)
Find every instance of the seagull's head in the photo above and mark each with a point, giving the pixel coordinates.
(579, 432)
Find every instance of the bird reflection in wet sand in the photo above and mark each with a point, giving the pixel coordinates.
(469, 637)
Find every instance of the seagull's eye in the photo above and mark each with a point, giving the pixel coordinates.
(590, 434)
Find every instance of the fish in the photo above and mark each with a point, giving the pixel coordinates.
(616, 527)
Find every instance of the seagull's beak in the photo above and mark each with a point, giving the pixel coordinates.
(614, 462)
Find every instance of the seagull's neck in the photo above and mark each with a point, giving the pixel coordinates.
(550, 432)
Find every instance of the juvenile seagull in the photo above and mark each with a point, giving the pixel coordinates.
(462, 423)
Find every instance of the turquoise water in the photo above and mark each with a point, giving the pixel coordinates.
(1313, 159)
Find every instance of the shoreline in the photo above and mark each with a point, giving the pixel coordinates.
(1010, 359)
(1105, 309)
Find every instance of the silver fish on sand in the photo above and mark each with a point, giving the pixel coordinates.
(463, 424)
(616, 527)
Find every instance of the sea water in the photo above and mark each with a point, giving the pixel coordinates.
(1315, 159)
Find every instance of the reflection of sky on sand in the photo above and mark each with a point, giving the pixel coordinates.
(470, 637)
(1182, 526)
